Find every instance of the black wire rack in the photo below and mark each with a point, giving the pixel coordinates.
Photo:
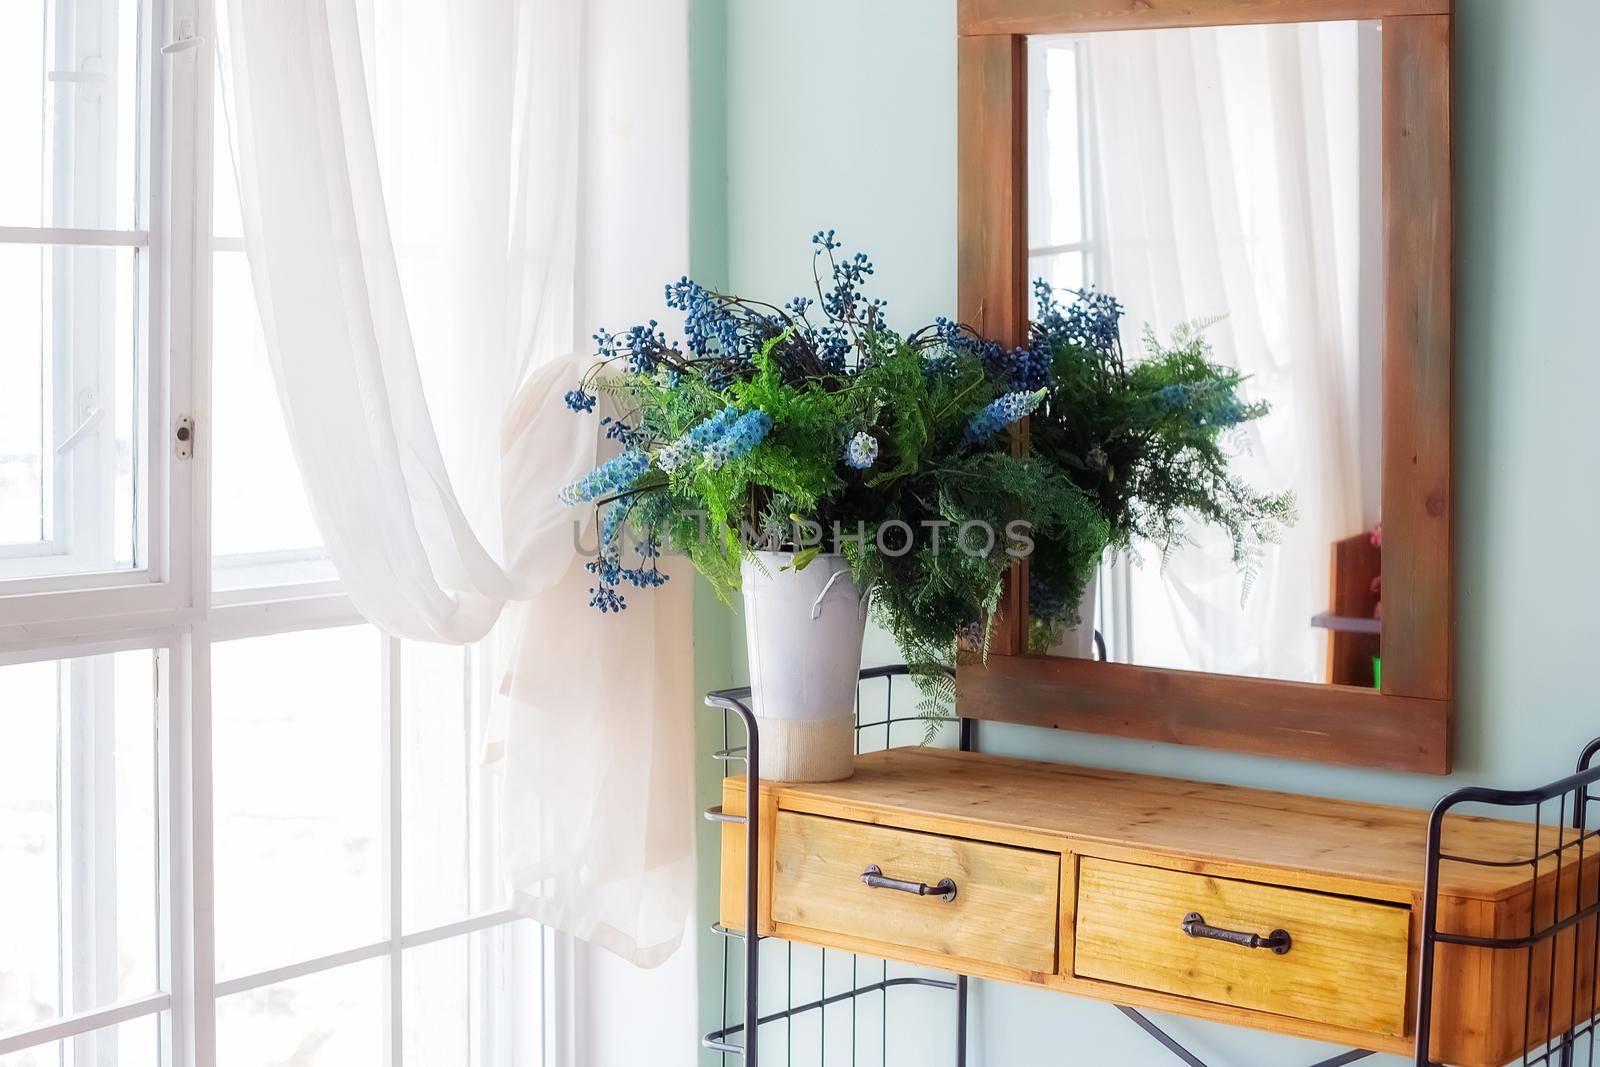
(1561, 944)
(862, 998)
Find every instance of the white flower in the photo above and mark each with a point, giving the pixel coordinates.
(861, 452)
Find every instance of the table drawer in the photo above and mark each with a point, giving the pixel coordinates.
(1003, 912)
(1345, 966)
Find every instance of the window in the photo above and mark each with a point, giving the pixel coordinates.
(349, 818)
(1062, 202)
(262, 532)
(78, 831)
(74, 271)
(238, 825)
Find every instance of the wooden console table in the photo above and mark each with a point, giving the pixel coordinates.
(1282, 912)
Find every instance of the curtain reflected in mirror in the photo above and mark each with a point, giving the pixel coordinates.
(1231, 177)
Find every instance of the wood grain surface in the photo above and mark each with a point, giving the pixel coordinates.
(1346, 962)
(1004, 911)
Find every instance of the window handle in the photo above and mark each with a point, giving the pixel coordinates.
(186, 39)
(91, 417)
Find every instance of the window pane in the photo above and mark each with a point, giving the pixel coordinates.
(1064, 271)
(69, 96)
(262, 530)
(136, 1043)
(79, 898)
(474, 1000)
(69, 415)
(227, 220)
(1055, 212)
(24, 397)
(298, 763)
(448, 851)
(330, 1019)
(259, 512)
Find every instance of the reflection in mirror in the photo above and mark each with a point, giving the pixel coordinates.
(1232, 176)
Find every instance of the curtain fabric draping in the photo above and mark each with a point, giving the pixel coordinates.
(423, 272)
(1238, 178)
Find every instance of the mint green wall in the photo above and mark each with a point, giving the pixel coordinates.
(708, 259)
(839, 113)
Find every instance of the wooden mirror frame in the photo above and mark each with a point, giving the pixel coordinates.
(1406, 726)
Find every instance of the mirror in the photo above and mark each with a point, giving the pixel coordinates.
(1232, 176)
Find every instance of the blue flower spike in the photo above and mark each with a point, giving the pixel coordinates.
(611, 523)
(1002, 413)
(695, 442)
(612, 477)
(750, 430)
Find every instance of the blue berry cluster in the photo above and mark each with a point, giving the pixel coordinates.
(709, 325)
(1093, 320)
(648, 574)
(626, 433)
(722, 334)
(605, 597)
(611, 477)
(833, 346)
(861, 452)
(610, 574)
(1025, 368)
(644, 346)
(845, 303)
(1001, 413)
(579, 400)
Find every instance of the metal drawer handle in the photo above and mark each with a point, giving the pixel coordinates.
(944, 889)
(1194, 924)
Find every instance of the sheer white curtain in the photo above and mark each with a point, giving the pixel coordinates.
(427, 275)
(1238, 178)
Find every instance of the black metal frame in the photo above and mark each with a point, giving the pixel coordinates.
(1549, 1047)
(736, 701)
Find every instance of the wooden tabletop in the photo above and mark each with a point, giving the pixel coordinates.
(1027, 801)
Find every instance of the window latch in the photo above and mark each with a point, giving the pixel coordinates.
(186, 39)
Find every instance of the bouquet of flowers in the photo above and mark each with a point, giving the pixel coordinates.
(1145, 439)
(813, 427)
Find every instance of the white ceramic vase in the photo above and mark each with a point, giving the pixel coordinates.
(803, 630)
(1078, 642)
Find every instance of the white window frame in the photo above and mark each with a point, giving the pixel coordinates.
(166, 605)
(101, 601)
